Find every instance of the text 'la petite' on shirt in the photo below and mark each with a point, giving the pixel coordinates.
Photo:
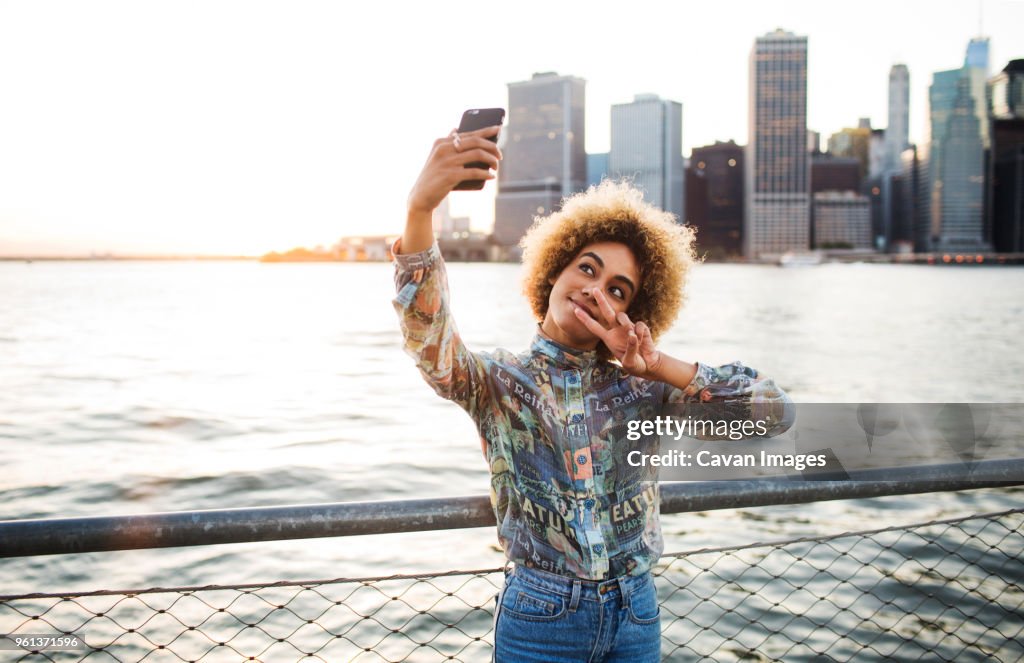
(554, 424)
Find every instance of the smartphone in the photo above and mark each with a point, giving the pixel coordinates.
(473, 119)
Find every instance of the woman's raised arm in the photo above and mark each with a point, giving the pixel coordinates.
(429, 331)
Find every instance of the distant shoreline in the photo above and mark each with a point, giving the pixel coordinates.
(117, 258)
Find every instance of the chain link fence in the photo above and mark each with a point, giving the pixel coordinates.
(946, 590)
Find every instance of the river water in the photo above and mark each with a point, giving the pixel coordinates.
(135, 387)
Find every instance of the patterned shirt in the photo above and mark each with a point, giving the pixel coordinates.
(552, 422)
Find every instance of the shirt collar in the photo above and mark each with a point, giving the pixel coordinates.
(563, 354)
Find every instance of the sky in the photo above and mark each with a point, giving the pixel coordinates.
(241, 127)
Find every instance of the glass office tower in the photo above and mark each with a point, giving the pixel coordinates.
(544, 153)
(647, 148)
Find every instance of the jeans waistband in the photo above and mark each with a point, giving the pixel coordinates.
(586, 589)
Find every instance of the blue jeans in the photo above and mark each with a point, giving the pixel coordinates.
(548, 618)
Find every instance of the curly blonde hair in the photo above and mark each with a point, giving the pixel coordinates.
(613, 211)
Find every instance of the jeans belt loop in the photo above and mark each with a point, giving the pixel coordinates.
(623, 591)
(577, 589)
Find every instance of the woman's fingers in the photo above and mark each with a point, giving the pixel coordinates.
(486, 132)
(643, 332)
(646, 343)
(629, 360)
(462, 143)
(474, 174)
(476, 140)
(607, 312)
(473, 156)
(648, 351)
(593, 325)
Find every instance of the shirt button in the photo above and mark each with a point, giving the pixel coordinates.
(573, 379)
(577, 418)
(590, 505)
(599, 548)
(581, 459)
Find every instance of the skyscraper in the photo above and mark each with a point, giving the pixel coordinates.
(958, 170)
(1006, 177)
(647, 148)
(545, 159)
(886, 216)
(776, 209)
(905, 186)
(715, 182)
(956, 159)
(897, 134)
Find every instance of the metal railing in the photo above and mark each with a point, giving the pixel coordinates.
(944, 589)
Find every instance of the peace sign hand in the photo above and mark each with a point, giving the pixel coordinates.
(632, 344)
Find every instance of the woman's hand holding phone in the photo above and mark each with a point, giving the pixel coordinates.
(446, 166)
(473, 119)
(444, 170)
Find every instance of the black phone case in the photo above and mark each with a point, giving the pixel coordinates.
(473, 119)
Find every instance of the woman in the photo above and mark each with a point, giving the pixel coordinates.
(605, 278)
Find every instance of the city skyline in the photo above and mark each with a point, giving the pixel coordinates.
(230, 128)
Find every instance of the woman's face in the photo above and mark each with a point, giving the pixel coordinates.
(606, 266)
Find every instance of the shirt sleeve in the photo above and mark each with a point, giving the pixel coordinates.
(735, 392)
(429, 331)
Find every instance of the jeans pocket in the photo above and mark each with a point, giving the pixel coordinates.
(643, 605)
(524, 601)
